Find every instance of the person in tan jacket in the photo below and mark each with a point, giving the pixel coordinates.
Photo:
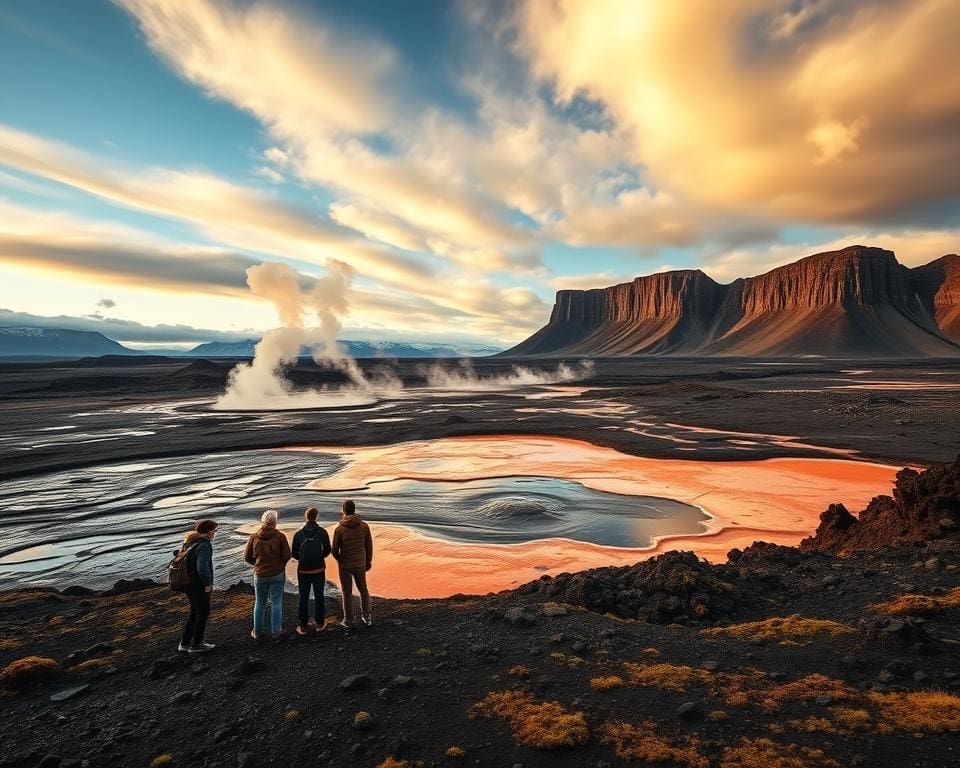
(267, 551)
(353, 550)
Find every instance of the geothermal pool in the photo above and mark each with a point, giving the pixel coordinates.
(454, 515)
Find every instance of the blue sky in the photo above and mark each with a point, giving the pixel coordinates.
(465, 159)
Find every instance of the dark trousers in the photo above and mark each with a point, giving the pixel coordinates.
(196, 626)
(316, 582)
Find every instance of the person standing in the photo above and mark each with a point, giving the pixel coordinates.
(267, 551)
(353, 550)
(311, 545)
(198, 544)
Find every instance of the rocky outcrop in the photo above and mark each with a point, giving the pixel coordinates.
(857, 301)
(924, 506)
(675, 586)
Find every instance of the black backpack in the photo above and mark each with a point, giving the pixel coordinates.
(311, 550)
(178, 570)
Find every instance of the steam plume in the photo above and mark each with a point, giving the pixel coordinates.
(260, 384)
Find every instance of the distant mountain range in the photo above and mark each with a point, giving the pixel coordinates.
(67, 344)
(57, 342)
(358, 349)
(856, 302)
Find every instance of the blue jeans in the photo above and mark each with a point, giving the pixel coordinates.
(268, 589)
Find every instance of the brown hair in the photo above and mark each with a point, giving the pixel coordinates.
(311, 513)
(349, 507)
(205, 526)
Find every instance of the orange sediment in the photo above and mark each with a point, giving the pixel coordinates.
(774, 500)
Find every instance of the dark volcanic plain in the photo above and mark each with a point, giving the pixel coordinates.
(780, 658)
(896, 411)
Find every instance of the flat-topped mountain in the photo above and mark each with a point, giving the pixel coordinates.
(859, 301)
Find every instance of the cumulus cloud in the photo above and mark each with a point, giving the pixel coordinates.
(821, 111)
(106, 303)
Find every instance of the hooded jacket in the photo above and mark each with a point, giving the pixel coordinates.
(352, 543)
(200, 560)
(267, 551)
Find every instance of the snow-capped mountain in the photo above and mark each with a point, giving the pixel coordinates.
(56, 342)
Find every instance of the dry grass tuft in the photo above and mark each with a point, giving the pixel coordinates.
(631, 742)
(810, 687)
(789, 629)
(717, 716)
(424, 652)
(104, 661)
(855, 719)
(917, 711)
(919, 605)
(519, 671)
(160, 760)
(737, 699)
(9, 644)
(607, 683)
(812, 724)
(651, 652)
(567, 660)
(543, 725)
(391, 762)
(456, 753)
(30, 669)
(292, 714)
(237, 607)
(667, 677)
(763, 753)
(129, 616)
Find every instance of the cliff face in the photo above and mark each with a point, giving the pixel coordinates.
(857, 301)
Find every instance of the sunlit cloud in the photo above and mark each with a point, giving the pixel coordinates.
(821, 111)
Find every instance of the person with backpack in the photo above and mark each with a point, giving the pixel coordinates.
(267, 551)
(191, 572)
(353, 550)
(311, 545)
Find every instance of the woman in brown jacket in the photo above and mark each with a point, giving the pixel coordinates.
(353, 549)
(267, 551)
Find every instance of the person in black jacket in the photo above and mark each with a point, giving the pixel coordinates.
(311, 545)
(199, 542)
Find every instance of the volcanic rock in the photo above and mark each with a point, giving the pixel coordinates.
(920, 504)
(659, 590)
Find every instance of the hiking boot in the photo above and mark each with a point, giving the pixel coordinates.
(202, 648)
(182, 648)
(254, 635)
(344, 624)
(301, 630)
(367, 620)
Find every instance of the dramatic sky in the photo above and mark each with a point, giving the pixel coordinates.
(467, 159)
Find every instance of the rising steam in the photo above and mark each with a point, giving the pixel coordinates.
(311, 313)
(260, 384)
(463, 377)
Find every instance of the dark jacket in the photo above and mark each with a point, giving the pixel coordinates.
(267, 551)
(200, 559)
(352, 543)
(311, 528)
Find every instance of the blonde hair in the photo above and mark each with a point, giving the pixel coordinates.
(269, 518)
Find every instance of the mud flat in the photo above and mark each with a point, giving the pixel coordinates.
(774, 500)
